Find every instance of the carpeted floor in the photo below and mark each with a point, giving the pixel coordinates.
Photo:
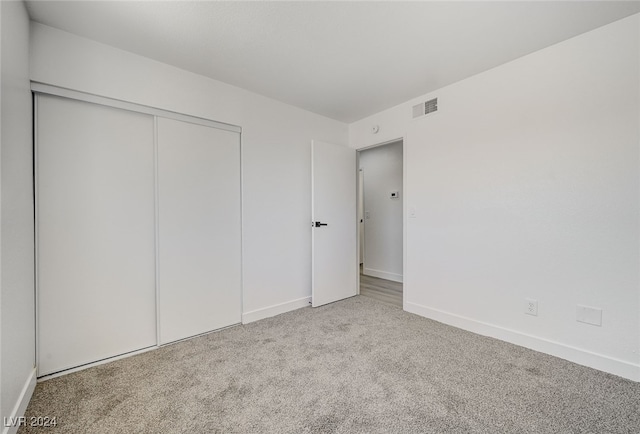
(356, 366)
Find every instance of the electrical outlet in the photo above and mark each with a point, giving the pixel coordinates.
(531, 306)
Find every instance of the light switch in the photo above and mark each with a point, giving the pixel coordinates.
(412, 212)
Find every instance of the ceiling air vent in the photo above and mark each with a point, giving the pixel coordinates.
(425, 108)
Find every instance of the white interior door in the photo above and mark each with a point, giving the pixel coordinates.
(333, 211)
(199, 227)
(95, 233)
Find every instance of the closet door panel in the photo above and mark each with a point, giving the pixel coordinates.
(199, 229)
(95, 228)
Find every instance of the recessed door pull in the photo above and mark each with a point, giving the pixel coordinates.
(318, 224)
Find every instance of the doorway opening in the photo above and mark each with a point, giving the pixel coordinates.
(380, 221)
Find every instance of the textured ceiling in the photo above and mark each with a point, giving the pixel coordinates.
(344, 60)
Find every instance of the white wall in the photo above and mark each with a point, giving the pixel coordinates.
(276, 151)
(526, 184)
(16, 229)
(382, 169)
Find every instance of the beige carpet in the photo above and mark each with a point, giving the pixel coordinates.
(356, 366)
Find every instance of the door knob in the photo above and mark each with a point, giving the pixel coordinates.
(318, 224)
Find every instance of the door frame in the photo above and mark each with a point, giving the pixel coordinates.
(360, 199)
(405, 214)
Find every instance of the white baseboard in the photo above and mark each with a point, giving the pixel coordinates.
(601, 362)
(21, 405)
(382, 274)
(274, 310)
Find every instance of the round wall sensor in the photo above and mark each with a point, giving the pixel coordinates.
(375, 129)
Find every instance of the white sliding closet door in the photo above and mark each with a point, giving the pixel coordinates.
(199, 229)
(95, 228)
